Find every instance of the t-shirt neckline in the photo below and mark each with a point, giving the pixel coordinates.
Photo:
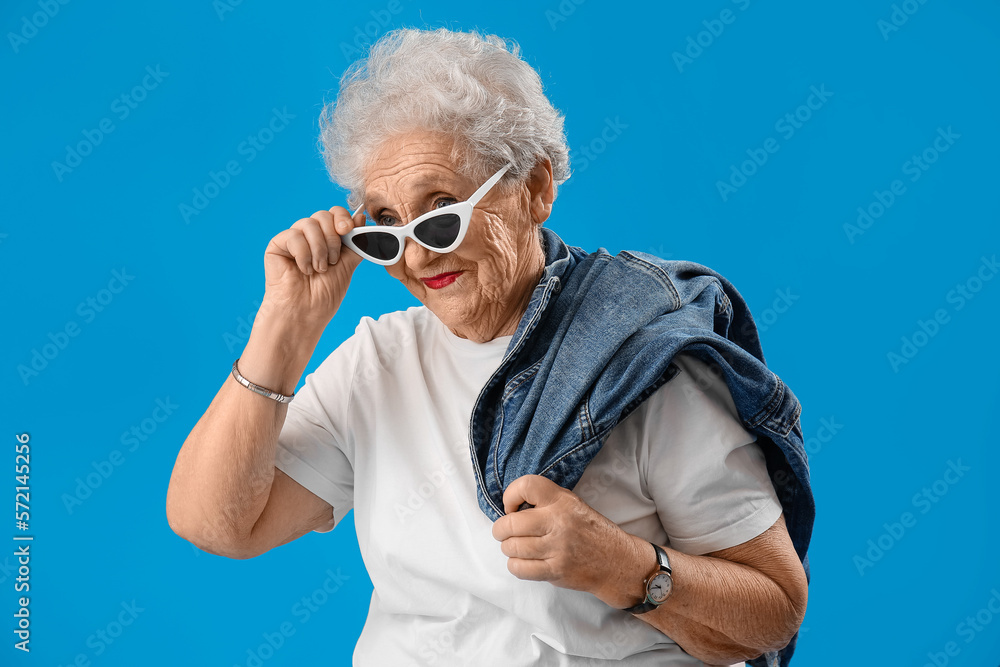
(466, 345)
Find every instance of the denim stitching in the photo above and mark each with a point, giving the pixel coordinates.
(496, 470)
(654, 271)
(520, 379)
(553, 283)
(765, 416)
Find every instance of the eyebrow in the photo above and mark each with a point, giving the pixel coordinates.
(377, 203)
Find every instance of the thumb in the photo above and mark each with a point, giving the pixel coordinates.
(529, 491)
(349, 258)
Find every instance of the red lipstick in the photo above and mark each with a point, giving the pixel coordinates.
(442, 279)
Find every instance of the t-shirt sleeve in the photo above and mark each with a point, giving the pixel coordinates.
(315, 446)
(706, 473)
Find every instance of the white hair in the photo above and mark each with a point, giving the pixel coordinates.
(474, 88)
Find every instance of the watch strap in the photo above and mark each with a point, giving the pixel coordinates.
(663, 565)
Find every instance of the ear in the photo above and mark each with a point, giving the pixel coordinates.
(541, 191)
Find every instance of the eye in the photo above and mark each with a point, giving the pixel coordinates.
(386, 220)
(441, 202)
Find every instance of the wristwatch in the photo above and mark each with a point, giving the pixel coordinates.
(658, 585)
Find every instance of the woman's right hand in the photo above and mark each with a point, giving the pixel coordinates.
(307, 270)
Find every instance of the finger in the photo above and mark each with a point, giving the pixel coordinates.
(533, 523)
(298, 248)
(317, 242)
(343, 221)
(525, 547)
(532, 489)
(329, 229)
(292, 244)
(530, 569)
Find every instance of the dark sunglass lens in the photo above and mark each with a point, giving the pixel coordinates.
(378, 245)
(439, 231)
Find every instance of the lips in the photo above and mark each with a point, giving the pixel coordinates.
(441, 279)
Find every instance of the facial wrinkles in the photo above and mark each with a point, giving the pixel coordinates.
(401, 183)
(498, 258)
(512, 262)
(501, 262)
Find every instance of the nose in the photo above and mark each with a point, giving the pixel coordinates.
(416, 257)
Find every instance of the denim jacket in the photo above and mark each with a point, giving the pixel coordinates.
(598, 338)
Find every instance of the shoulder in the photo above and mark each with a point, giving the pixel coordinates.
(704, 470)
(688, 426)
(697, 393)
(411, 319)
(400, 327)
(389, 334)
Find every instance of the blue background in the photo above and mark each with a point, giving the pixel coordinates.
(651, 184)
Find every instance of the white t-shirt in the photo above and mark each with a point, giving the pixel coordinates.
(382, 426)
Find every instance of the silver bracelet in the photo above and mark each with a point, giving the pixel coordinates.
(257, 389)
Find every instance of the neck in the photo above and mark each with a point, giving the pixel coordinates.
(506, 319)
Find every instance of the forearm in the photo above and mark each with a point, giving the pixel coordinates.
(223, 473)
(719, 611)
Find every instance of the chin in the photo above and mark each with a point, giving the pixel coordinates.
(451, 317)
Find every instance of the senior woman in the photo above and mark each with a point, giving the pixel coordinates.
(665, 544)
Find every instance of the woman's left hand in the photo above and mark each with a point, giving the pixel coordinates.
(566, 542)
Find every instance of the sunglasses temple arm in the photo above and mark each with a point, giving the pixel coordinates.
(357, 211)
(487, 186)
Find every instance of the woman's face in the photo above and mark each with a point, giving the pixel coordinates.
(500, 260)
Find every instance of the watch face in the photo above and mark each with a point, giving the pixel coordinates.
(659, 587)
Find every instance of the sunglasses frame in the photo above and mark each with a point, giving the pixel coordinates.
(462, 209)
